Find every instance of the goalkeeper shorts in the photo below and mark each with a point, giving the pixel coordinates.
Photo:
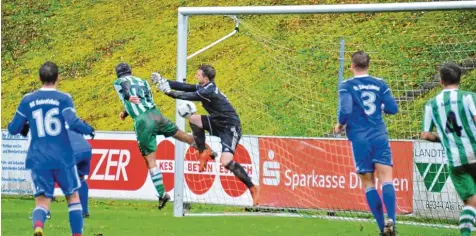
(230, 134)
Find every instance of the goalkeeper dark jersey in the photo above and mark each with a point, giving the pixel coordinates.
(213, 100)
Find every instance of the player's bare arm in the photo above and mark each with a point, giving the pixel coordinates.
(430, 136)
(126, 88)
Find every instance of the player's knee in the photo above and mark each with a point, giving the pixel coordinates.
(73, 198)
(368, 180)
(196, 120)
(150, 160)
(226, 158)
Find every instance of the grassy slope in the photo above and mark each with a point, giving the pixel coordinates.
(87, 39)
(130, 217)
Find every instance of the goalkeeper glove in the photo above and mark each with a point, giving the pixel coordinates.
(161, 83)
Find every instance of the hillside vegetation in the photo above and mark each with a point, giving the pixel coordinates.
(280, 72)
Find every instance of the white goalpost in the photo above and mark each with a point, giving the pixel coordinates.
(302, 169)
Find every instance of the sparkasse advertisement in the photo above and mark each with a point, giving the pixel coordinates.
(320, 173)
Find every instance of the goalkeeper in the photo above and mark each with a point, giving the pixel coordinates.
(136, 96)
(222, 121)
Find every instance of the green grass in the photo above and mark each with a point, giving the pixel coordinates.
(109, 217)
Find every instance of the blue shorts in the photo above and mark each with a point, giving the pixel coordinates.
(83, 162)
(44, 181)
(368, 152)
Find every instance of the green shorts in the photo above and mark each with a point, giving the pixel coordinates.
(464, 180)
(150, 124)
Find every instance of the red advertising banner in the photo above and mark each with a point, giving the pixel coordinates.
(320, 174)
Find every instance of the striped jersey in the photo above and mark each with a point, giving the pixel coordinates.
(452, 112)
(137, 87)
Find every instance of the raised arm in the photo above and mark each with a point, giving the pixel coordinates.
(183, 86)
(190, 96)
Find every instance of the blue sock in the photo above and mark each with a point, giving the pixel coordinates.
(83, 196)
(388, 192)
(39, 216)
(76, 218)
(375, 204)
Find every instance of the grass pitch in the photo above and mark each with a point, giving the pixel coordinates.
(111, 217)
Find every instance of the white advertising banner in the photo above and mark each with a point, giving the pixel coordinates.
(15, 179)
(434, 193)
(118, 169)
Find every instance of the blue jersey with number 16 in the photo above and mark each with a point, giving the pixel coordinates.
(46, 111)
(361, 101)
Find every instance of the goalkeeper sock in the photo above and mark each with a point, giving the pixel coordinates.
(198, 136)
(39, 217)
(240, 173)
(467, 220)
(375, 204)
(83, 196)
(76, 218)
(388, 192)
(157, 179)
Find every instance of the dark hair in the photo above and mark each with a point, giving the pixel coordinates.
(48, 73)
(450, 73)
(208, 71)
(123, 69)
(361, 60)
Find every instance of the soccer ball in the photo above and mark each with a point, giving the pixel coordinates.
(186, 109)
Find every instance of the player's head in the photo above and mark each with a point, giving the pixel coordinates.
(49, 73)
(450, 74)
(205, 74)
(123, 69)
(360, 61)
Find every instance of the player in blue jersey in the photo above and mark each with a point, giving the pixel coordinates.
(82, 153)
(50, 155)
(361, 102)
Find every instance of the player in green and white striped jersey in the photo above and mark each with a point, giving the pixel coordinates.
(453, 113)
(136, 96)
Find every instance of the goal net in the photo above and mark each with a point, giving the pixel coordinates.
(281, 73)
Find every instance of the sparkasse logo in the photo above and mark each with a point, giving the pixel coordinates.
(434, 175)
(271, 173)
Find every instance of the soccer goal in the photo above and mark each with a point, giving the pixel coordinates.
(281, 68)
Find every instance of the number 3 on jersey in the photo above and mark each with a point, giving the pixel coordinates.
(368, 100)
(47, 124)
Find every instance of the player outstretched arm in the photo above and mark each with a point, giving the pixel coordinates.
(183, 86)
(164, 86)
(19, 123)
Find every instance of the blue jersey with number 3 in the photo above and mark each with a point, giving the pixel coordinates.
(361, 102)
(46, 111)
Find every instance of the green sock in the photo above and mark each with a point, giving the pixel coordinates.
(157, 179)
(466, 220)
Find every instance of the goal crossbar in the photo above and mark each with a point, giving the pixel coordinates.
(326, 9)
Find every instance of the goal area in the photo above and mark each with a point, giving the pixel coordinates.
(280, 67)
